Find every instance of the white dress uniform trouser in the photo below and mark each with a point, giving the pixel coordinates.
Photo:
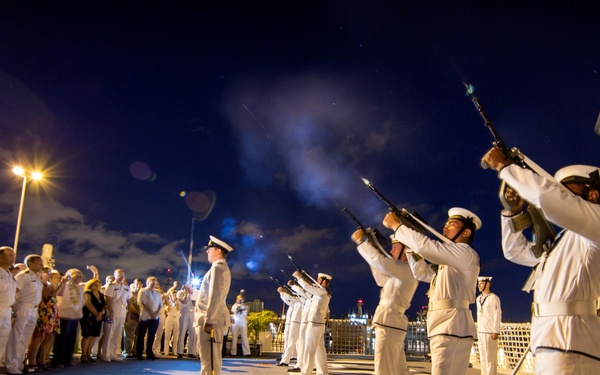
(555, 362)
(5, 325)
(172, 328)
(450, 355)
(22, 329)
(206, 359)
(291, 345)
(488, 354)
(186, 323)
(159, 333)
(242, 330)
(389, 351)
(314, 350)
(111, 346)
(300, 345)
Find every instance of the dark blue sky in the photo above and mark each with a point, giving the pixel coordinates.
(278, 109)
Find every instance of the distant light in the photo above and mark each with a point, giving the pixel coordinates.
(182, 194)
(252, 265)
(196, 282)
(18, 171)
(37, 175)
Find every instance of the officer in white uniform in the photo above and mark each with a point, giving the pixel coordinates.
(8, 288)
(186, 322)
(292, 324)
(398, 285)
(172, 320)
(211, 316)
(306, 299)
(314, 341)
(27, 298)
(489, 317)
(565, 327)
(450, 324)
(117, 293)
(240, 326)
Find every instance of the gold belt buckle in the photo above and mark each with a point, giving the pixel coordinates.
(535, 309)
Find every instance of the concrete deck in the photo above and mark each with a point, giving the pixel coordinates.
(238, 365)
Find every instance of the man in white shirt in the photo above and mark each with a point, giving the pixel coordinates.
(27, 298)
(8, 288)
(210, 313)
(489, 316)
(150, 302)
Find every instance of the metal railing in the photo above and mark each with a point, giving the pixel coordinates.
(357, 337)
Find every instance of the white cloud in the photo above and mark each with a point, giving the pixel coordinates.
(78, 243)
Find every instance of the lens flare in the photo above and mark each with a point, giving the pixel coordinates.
(201, 203)
(141, 171)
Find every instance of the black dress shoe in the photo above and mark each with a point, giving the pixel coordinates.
(140, 358)
(152, 357)
(179, 356)
(294, 369)
(282, 364)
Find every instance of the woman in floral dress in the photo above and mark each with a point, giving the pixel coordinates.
(47, 323)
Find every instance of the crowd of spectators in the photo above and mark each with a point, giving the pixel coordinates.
(46, 316)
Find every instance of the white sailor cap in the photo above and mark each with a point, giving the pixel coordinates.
(465, 216)
(484, 278)
(579, 174)
(394, 239)
(324, 276)
(215, 242)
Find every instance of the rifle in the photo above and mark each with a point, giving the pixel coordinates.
(543, 233)
(304, 273)
(410, 219)
(377, 238)
(286, 287)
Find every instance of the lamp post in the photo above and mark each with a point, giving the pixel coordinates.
(34, 176)
(189, 275)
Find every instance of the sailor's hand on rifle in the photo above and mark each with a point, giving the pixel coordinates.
(297, 274)
(280, 289)
(496, 159)
(391, 221)
(358, 236)
(515, 200)
(207, 327)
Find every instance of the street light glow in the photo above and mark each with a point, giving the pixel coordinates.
(34, 176)
(18, 171)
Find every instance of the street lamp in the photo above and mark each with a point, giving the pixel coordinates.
(34, 176)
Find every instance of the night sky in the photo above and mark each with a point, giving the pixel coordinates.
(257, 120)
